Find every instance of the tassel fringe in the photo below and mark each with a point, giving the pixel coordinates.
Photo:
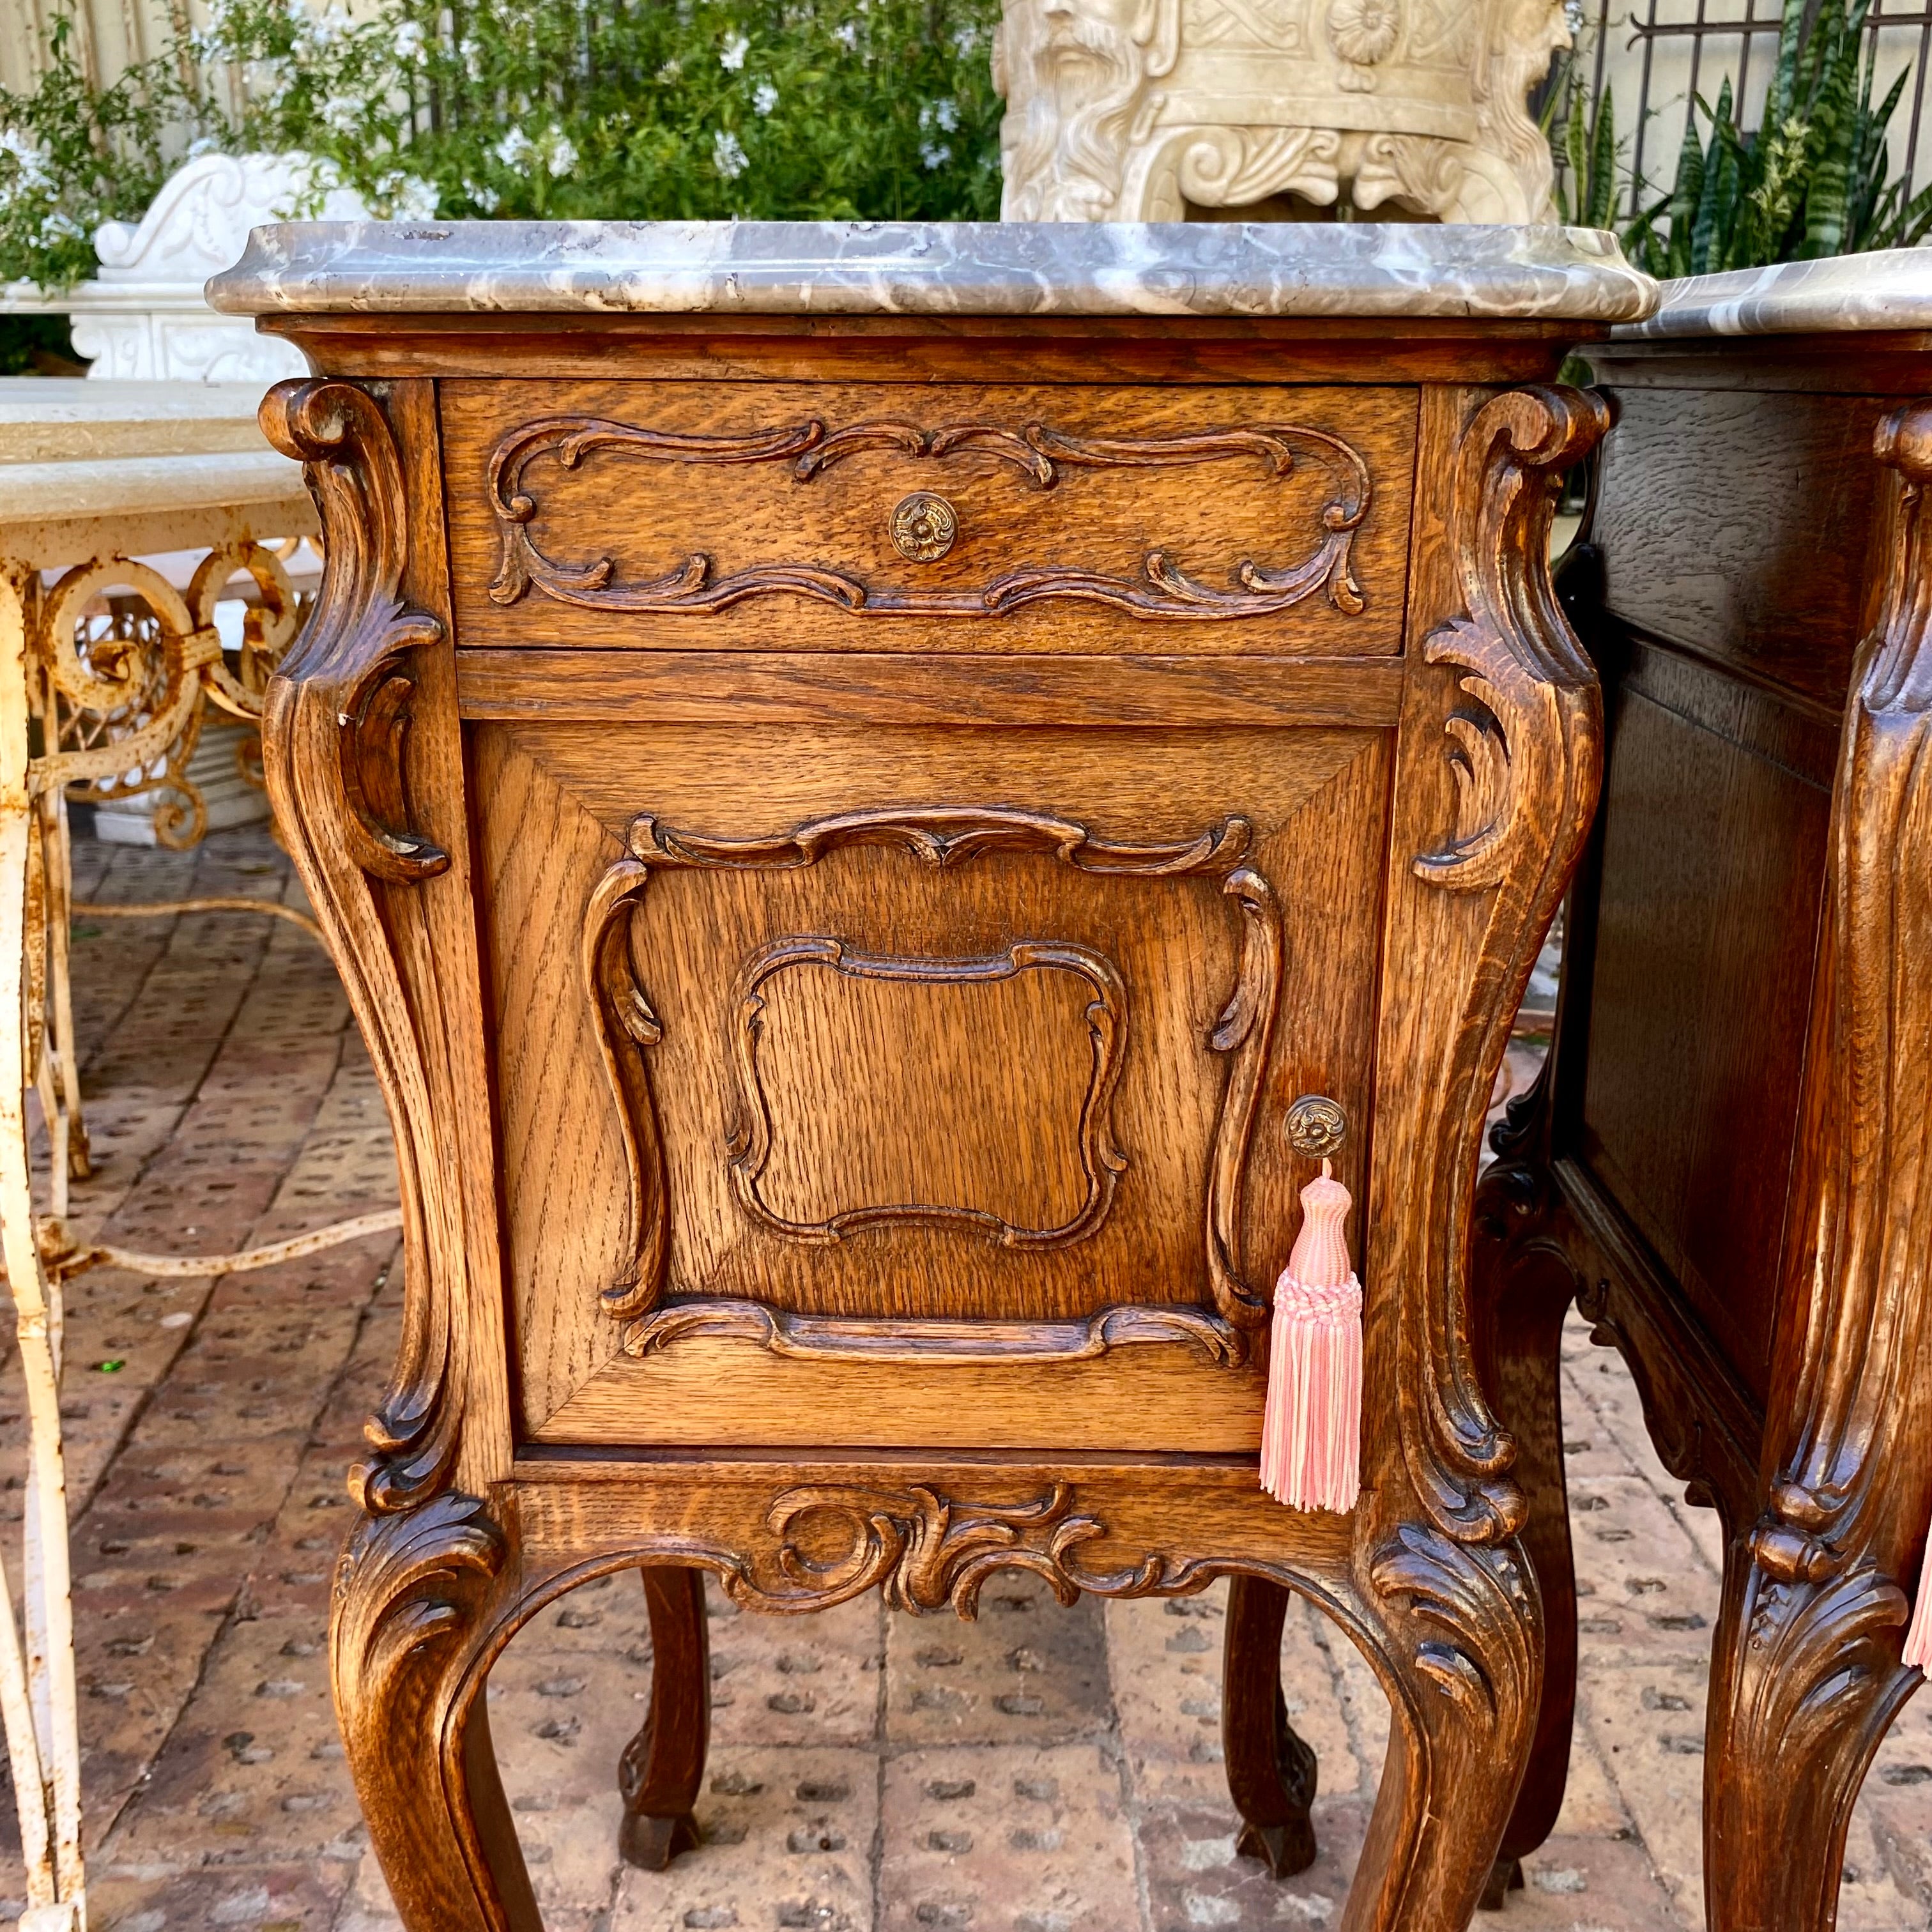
(1311, 1431)
(1919, 1637)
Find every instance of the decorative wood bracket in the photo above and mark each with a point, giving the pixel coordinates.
(1037, 452)
(1526, 751)
(360, 633)
(335, 724)
(941, 837)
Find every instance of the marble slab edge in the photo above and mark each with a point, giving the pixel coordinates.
(1363, 269)
(1888, 289)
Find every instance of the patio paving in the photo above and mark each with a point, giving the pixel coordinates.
(1044, 1770)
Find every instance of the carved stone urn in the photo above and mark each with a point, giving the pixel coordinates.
(1149, 110)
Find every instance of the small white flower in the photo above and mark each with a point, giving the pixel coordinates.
(341, 112)
(727, 157)
(410, 198)
(966, 39)
(671, 71)
(409, 41)
(562, 156)
(484, 196)
(764, 96)
(847, 34)
(30, 158)
(515, 149)
(940, 114)
(731, 57)
(935, 155)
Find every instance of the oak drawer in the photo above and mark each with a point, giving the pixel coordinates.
(866, 516)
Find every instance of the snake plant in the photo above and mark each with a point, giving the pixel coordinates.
(1809, 180)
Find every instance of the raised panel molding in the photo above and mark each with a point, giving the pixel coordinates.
(627, 1025)
(752, 1139)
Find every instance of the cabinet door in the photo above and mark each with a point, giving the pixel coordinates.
(878, 1083)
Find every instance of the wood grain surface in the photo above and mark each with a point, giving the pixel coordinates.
(1185, 480)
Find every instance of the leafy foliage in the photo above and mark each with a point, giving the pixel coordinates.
(1809, 181)
(852, 109)
(73, 155)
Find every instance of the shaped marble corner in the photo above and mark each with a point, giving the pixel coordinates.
(1888, 289)
(989, 269)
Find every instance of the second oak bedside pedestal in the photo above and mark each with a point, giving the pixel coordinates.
(1726, 1155)
(881, 794)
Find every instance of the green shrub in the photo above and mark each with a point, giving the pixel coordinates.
(838, 109)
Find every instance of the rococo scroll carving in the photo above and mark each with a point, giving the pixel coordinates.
(1476, 1641)
(926, 1551)
(1526, 752)
(1037, 453)
(941, 837)
(1823, 1602)
(1101, 1162)
(334, 727)
(360, 633)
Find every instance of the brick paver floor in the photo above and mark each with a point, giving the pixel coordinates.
(1044, 1770)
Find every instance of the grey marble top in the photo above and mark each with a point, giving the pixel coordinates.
(1891, 288)
(781, 268)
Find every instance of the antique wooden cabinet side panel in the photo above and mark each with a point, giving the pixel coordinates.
(1733, 613)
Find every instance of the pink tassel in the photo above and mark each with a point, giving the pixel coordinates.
(1312, 1432)
(1918, 1638)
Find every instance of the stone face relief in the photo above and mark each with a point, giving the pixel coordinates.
(1132, 110)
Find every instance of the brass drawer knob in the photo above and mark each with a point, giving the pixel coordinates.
(1315, 1126)
(924, 526)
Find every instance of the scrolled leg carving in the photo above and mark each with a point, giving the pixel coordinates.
(414, 1597)
(663, 1766)
(1462, 1643)
(334, 734)
(1271, 1771)
(1810, 1672)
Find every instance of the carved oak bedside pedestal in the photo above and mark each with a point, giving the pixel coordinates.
(1725, 1158)
(856, 777)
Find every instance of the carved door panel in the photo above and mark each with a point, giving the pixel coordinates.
(827, 516)
(932, 1081)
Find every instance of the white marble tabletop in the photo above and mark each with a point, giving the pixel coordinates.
(938, 269)
(1891, 288)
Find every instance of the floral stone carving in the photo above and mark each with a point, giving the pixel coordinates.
(1136, 110)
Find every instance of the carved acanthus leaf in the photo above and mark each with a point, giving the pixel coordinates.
(1477, 1615)
(403, 1582)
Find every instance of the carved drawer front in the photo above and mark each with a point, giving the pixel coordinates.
(895, 1084)
(693, 515)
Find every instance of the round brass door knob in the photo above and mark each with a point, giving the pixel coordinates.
(924, 526)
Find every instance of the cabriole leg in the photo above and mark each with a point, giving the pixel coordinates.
(416, 1597)
(1271, 1771)
(1460, 1645)
(663, 1766)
